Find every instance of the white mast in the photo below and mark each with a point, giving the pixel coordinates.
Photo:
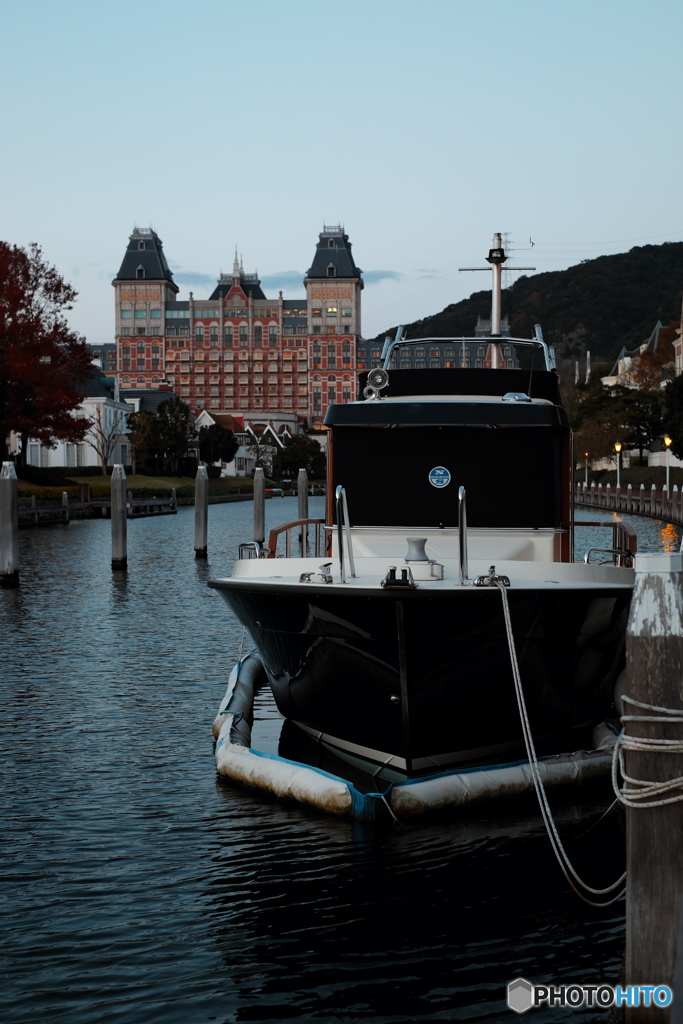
(496, 258)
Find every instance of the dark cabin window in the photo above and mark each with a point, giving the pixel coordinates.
(511, 474)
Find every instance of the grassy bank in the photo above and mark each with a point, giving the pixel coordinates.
(140, 485)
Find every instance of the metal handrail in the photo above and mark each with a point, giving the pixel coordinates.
(399, 342)
(624, 541)
(620, 553)
(287, 529)
(462, 533)
(251, 545)
(344, 527)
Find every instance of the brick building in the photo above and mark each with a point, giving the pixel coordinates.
(279, 360)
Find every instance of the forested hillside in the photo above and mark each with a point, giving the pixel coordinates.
(598, 305)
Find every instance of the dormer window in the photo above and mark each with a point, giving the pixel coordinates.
(330, 244)
(141, 245)
(140, 273)
(331, 271)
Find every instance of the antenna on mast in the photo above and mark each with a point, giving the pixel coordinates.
(496, 258)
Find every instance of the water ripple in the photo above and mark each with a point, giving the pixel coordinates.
(138, 887)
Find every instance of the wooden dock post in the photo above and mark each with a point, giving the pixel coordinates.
(174, 498)
(654, 835)
(119, 520)
(65, 506)
(9, 526)
(259, 506)
(302, 492)
(201, 512)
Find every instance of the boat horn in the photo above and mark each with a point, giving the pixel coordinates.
(377, 381)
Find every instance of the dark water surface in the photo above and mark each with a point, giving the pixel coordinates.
(138, 888)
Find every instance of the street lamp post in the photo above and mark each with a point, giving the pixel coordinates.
(667, 442)
(586, 464)
(617, 448)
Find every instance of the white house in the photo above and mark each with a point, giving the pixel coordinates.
(248, 435)
(105, 443)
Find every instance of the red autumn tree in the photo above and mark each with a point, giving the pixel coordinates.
(42, 361)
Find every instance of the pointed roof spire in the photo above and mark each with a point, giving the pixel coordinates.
(236, 265)
(241, 264)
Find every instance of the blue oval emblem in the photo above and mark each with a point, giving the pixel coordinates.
(439, 477)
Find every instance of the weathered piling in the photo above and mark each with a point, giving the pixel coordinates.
(302, 492)
(119, 519)
(259, 506)
(652, 746)
(174, 498)
(201, 512)
(9, 526)
(65, 505)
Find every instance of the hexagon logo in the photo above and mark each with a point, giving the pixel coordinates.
(520, 995)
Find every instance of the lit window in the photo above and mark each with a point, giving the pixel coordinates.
(331, 310)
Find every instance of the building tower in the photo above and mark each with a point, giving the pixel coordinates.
(333, 286)
(144, 284)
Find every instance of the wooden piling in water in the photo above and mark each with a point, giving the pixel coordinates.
(259, 506)
(119, 520)
(65, 505)
(654, 835)
(9, 527)
(302, 492)
(201, 512)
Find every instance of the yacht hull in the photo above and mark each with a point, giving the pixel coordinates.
(421, 680)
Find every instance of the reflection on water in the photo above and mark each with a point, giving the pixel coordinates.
(141, 889)
(653, 534)
(669, 538)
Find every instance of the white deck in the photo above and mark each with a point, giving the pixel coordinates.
(371, 571)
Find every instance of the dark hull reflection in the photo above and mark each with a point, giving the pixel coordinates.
(426, 678)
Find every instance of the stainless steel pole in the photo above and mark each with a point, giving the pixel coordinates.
(462, 533)
(302, 492)
(259, 506)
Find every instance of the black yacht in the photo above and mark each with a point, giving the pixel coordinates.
(446, 556)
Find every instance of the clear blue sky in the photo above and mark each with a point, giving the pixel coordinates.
(423, 127)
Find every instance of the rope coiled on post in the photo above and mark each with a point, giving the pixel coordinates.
(644, 794)
(566, 866)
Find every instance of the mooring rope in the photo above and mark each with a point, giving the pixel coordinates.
(643, 792)
(560, 853)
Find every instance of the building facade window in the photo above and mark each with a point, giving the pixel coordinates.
(258, 334)
(244, 335)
